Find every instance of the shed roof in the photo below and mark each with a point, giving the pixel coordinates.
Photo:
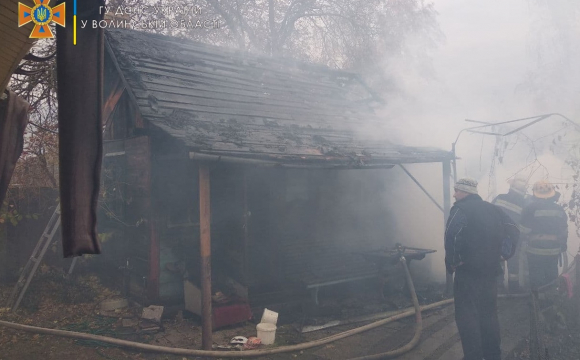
(225, 102)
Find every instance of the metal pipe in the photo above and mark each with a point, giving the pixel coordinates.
(421, 187)
(528, 124)
(454, 163)
(446, 209)
(418, 321)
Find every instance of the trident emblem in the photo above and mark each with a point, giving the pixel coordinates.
(41, 15)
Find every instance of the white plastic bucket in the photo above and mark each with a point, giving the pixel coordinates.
(270, 317)
(266, 333)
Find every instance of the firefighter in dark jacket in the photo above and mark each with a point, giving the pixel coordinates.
(545, 225)
(512, 204)
(477, 235)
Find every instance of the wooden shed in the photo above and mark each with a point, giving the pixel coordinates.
(275, 138)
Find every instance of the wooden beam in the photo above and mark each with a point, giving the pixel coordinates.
(154, 255)
(205, 251)
(246, 221)
(138, 117)
(112, 101)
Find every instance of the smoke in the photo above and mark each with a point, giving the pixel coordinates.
(418, 221)
(500, 61)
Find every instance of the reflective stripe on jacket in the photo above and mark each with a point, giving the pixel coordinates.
(509, 206)
(512, 204)
(546, 225)
(546, 252)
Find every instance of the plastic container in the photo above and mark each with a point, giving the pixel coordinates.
(270, 317)
(266, 333)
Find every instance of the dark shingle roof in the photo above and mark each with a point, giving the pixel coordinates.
(226, 102)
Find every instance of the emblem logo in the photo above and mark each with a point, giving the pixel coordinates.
(41, 15)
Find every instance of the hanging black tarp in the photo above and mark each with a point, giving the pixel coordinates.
(13, 120)
(80, 79)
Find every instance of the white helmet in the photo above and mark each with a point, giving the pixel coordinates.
(238, 340)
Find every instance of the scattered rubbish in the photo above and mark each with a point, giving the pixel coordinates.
(228, 347)
(153, 313)
(266, 332)
(113, 304)
(357, 319)
(179, 316)
(241, 340)
(148, 326)
(311, 328)
(192, 295)
(129, 322)
(252, 343)
(219, 298)
(239, 343)
(270, 317)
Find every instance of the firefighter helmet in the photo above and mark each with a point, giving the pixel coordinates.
(543, 189)
(519, 184)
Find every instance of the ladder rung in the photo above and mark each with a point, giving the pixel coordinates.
(28, 272)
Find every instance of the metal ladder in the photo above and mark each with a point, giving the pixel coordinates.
(37, 254)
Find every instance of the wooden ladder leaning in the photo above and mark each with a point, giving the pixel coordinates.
(31, 266)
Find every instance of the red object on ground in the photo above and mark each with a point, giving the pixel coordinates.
(252, 343)
(230, 314)
(568, 284)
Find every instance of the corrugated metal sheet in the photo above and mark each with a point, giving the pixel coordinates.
(14, 41)
(226, 102)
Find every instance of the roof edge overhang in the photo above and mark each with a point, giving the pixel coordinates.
(318, 162)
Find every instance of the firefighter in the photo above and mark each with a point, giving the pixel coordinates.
(545, 225)
(474, 237)
(512, 204)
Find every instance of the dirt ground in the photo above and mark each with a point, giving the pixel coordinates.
(73, 304)
(54, 301)
(559, 334)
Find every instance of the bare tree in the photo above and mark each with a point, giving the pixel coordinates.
(555, 51)
(353, 34)
(35, 80)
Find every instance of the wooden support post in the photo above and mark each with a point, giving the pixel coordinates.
(154, 259)
(245, 219)
(205, 251)
(446, 209)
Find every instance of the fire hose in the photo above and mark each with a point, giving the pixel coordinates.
(418, 322)
(257, 353)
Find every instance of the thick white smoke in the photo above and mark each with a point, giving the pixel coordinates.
(502, 60)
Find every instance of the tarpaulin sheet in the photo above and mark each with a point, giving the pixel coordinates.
(80, 79)
(13, 120)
